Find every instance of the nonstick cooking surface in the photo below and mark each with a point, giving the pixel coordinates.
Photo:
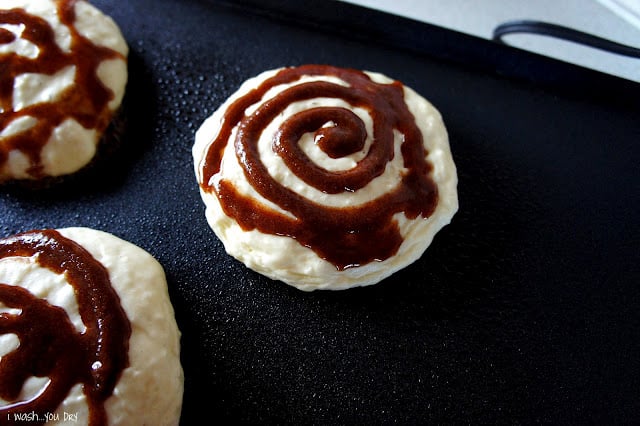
(523, 310)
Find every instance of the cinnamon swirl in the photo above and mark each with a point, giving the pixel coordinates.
(62, 80)
(87, 332)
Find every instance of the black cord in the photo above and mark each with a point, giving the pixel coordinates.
(557, 31)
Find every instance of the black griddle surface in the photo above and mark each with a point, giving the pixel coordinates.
(524, 310)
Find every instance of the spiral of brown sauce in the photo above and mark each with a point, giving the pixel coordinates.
(50, 346)
(86, 101)
(345, 236)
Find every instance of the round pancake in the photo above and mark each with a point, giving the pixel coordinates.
(324, 177)
(87, 331)
(63, 81)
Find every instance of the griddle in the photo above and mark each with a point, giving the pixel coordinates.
(525, 309)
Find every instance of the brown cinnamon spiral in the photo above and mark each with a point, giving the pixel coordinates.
(86, 101)
(50, 346)
(346, 236)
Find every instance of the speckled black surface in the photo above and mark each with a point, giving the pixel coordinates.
(523, 310)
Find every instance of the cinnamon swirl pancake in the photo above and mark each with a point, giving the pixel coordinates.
(87, 332)
(62, 81)
(324, 177)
